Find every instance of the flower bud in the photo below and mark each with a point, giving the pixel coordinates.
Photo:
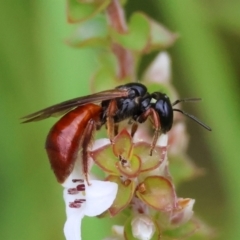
(143, 228)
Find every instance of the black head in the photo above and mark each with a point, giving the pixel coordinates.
(162, 105)
(164, 108)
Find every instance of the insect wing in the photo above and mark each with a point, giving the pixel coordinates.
(66, 106)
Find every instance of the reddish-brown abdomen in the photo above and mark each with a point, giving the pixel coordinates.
(64, 139)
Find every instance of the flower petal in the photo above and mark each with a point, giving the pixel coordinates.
(99, 197)
(117, 233)
(178, 138)
(184, 213)
(162, 140)
(100, 143)
(141, 149)
(70, 198)
(132, 167)
(123, 144)
(143, 227)
(118, 230)
(105, 159)
(157, 192)
(72, 227)
(160, 69)
(124, 195)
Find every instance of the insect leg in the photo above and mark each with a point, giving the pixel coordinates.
(87, 138)
(116, 126)
(156, 123)
(111, 111)
(134, 129)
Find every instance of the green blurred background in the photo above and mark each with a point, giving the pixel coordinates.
(37, 69)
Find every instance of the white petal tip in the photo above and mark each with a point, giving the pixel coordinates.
(163, 140)
(72, 227)
(99, 197)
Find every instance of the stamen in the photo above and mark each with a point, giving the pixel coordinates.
(72, 191)
(77, 180)
(124, 162)
(74, 205)
(80, 200)
(140, 210)
(80, 187)
(141, 188)
(138, 206)
(77, 203)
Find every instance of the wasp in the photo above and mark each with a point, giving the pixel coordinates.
(84, 115)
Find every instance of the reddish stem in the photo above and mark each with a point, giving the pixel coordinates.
(125, 58)
(116, 16)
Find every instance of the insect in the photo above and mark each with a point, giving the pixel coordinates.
(84, 115)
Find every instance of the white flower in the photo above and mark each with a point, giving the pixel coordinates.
(143, 228)
(184, 213)
(118, 233)
(160, 69)
(82, 199)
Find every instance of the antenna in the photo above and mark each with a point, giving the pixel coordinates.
(186, 100)
(189, 115)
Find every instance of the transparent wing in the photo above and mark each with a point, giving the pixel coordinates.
(66, 106)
